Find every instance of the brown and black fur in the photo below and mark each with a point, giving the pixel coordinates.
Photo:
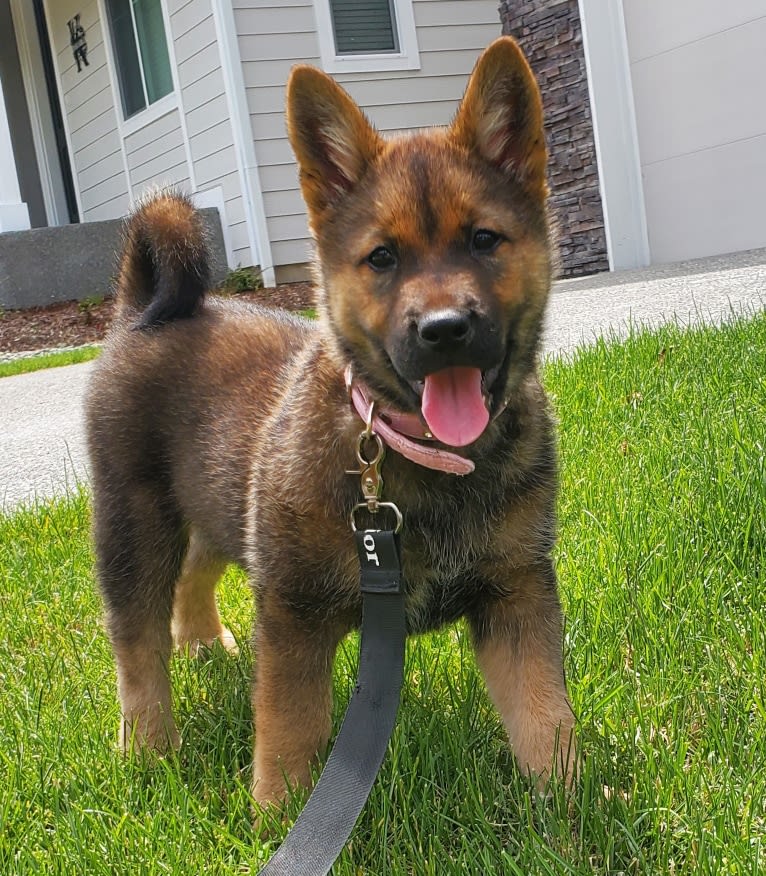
(220, 432)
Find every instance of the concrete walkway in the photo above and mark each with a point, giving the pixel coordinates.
(42, 448)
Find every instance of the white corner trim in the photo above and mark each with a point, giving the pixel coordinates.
(407, 58)
(615, 132)
(214, 198)
(244, 148)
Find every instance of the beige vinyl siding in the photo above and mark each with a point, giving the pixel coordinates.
(90, 111)
(149, 166)
(274, 37)
(207, 116)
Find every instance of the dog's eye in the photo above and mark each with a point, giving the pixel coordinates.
(484, 240)
(381, 259)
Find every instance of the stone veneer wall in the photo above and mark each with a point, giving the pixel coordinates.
(549, 32)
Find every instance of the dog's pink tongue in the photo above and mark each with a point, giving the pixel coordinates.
(453, 406)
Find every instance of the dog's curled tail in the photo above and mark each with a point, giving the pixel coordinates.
(164, 269)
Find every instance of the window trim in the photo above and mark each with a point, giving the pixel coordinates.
(152, 111)
(407, 58)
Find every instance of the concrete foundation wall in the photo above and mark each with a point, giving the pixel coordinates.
(73, 262)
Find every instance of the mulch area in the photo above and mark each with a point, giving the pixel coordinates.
(73, 323)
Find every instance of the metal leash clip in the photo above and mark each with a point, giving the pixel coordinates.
(370, 477)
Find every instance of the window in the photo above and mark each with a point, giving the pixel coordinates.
(364, 27)
(367, 35)
(141, 52)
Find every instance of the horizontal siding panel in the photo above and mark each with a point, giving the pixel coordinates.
(279, 177)
(86, 87)
(98, 171)
(115, 208)
(285, 203)
(292, 252)
(437, 63)
(215, 166)
(238, 236)
(107, 190)
(265, 47)
(452, 12)
(231, 185)
(272, 73)
(188, 16)
(159, 165)
(197, 39)
(214, 112)
(288, 227)
(150, 151)
(209, 142)
(399, 117)
(100, 103)
(273, 151)
(109, 144)
(93, 76)
(201, 65)
(204, 90)
(171, 176)
(154, 133)
(235, 210)
(471, 36)
(282, 20)
(373, 92)
(240, 5)
(242, 257)
(106, 123)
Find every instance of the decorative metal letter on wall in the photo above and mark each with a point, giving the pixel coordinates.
(77, 42)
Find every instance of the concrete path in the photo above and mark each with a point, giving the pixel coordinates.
(42, 450)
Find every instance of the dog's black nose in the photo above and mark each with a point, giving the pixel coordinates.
(445, 329)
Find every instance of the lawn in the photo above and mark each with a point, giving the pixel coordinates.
(55, 359)
(662, 560)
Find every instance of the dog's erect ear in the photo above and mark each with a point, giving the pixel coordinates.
(331, 138)
(501, 116)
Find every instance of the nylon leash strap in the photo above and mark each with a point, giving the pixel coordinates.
(321, 830)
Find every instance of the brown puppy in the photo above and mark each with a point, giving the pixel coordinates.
(220, 432)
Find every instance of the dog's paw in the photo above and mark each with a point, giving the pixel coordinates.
(194, 647)
(560, 766)
(148, 733)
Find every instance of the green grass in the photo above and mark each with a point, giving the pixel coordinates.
(661, 561)
(48, 360)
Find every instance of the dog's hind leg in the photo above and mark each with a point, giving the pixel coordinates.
(140, 541)
(196, 621)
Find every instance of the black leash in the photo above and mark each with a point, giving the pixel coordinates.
(321, 830)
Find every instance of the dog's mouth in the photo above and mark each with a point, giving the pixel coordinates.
(456, 402)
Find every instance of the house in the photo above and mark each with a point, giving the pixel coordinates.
(657, 123)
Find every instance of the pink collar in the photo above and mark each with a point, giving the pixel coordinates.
(397, 430)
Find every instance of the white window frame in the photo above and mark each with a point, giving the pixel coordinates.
(152, 111)
(407, 58)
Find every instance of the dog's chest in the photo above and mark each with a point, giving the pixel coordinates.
(441, 568)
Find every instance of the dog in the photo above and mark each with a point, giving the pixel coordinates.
(222, 432)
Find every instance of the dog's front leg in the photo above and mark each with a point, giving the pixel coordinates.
(519, 650)
(292, 698)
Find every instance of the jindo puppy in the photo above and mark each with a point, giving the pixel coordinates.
(221, 432)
